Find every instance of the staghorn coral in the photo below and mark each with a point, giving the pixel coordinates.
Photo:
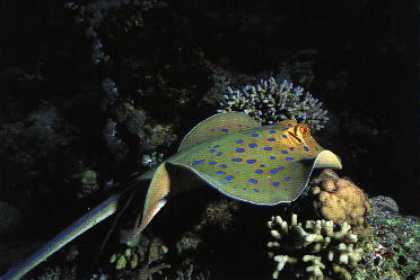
(339, 200)
(271, 101)
(314, 249)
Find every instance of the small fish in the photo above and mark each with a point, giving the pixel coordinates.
(231, 152)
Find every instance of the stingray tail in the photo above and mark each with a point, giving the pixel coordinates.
(90, 219)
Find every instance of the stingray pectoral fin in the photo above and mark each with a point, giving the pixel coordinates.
(155, 200)
(327, 159)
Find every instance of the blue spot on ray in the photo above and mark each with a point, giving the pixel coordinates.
(271, 131)
(223, 165)
(275, 184)
(239, 141)
(197, 162)
(254, 134)
(262, 165)
(271, 139)
(272, 157)
(274, 171)
(212, 162)
(220, 172)
(255, 190)
(268, 148)
(284, 152)
(259, 171)
(277, 169)
(225, 130)
(212, 150)
(288, 158)
(240, 150)
(251, 161)
(252, 181)
(287, 179)
(229, 178)
(237, 159)
(252, 145)
(306, 149)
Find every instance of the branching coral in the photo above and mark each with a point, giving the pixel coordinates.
(339, 199)
(318, 248)
(271, 101)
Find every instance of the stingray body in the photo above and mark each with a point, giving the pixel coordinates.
(231, 152)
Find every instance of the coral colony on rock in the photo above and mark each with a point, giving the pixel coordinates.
(271, 101)
(249, 193)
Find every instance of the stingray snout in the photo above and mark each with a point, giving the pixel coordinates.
(327, 159)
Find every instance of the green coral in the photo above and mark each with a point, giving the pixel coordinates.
(317, 248)
(142, 261)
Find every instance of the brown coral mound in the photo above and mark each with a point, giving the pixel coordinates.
(339, 199)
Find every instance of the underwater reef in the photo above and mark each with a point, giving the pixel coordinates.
(271, 101)
(102, 91)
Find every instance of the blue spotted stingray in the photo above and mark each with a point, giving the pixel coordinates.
(230, 152)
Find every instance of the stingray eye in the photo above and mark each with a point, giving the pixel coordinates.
(304, 129)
